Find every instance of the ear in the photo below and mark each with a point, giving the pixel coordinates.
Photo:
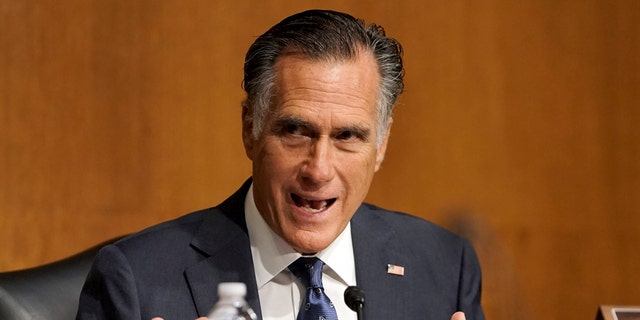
(247, 135)
(383, 146)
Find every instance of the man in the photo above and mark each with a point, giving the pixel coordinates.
(320, 92)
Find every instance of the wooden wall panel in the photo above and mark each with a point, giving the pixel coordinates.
(518, 129)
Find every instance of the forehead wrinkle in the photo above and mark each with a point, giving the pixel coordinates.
(352, 92)
(348, 113)
(305, 96)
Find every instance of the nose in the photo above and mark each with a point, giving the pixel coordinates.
(319, 167)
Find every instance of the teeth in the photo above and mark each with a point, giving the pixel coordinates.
(313, 206)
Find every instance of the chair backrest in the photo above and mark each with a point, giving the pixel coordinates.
(49, 291)
(618, 312)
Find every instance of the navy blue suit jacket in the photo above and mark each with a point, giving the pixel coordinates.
(172, 269)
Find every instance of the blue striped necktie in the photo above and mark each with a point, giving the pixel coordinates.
(315, 305)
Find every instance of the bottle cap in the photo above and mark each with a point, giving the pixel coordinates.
(232, 289)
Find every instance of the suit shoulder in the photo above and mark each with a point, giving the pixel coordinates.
(166, 234)
(405, 224)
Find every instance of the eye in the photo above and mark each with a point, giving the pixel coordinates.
(289, 126)
(346, 135)
(352, 134)
(292, 128)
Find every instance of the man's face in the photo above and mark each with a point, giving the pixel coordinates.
(316, 156)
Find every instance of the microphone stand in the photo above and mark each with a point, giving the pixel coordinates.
(359, 311)
(354, 298)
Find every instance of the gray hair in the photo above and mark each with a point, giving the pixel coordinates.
(320, 34)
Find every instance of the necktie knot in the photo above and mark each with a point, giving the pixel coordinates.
(309, 271)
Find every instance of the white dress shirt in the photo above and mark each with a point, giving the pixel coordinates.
(279, 290)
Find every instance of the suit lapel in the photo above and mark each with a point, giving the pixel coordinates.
(375, 246)
(227, 254)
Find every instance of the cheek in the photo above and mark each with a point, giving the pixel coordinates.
(360, 164)
(357, 174)
(273, 164)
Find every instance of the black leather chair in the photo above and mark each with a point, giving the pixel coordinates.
(49, 291)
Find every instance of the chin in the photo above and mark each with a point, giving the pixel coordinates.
(311, 245)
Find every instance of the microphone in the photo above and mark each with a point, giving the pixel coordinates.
(354, 298)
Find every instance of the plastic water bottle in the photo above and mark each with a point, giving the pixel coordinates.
(231, 304)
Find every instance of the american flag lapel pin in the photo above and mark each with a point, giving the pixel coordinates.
(395, 269)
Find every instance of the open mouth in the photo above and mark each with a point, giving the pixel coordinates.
(312, 206)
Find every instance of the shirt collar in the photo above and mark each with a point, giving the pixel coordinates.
(271, 254)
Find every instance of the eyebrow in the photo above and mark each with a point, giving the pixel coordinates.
(291, 120)
(363, 132)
